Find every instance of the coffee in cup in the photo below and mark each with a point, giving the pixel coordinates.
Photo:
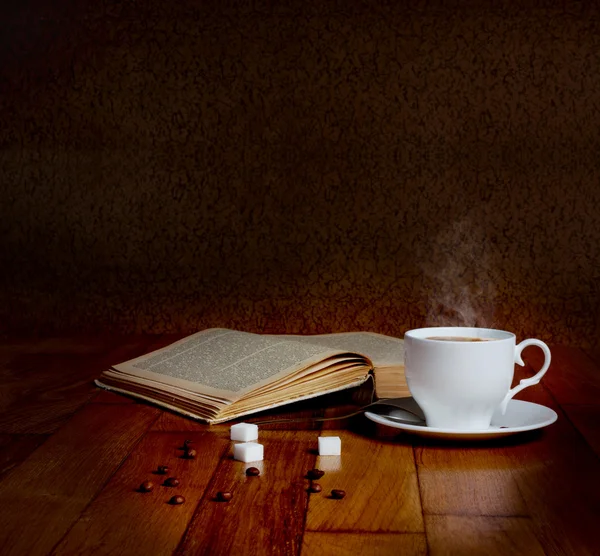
(459, 376)
(459, 339)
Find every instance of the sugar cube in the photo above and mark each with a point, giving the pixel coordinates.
(243, 432)
(248, 451)
(330, 446)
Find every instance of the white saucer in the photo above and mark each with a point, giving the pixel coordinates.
(520, 416)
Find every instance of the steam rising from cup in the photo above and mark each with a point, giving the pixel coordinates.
(458, 278)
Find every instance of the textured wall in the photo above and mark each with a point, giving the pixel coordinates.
(300, 166)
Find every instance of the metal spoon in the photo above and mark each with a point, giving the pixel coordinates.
(404, 410)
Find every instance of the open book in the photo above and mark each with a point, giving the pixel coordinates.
(219, 374)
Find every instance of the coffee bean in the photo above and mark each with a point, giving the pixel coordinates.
(314, 487)
(224, 496)
(176, 500)
(171, 482)
(190, 453)
(338, 494)
(315, 474)
(162, 470)
(252, 472)
(146, 486)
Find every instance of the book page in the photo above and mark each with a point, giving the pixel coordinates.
(383, 351)
(226, 361)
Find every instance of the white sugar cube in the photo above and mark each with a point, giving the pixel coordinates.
(248, 451)
(243, 432)
(330, 446)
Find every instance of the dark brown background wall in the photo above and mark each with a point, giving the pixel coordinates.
(300, 166)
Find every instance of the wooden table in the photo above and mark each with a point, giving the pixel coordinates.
(72, 457)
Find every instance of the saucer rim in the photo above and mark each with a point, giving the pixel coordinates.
(424, 429)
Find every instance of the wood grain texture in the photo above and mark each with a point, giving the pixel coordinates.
(173, 422)
(483, 536)
(573, 376)
(266, 514)
(586, 418)
(557, 476)
(41, 391)
(153, 525)
(46, 494)
(380, 481)
(14, 448)
(556, 472)
(546, 476)
(42, 387)
(468, 480)
(104, 396)
(72, 491)
(371, 544)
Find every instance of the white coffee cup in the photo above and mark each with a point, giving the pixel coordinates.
(459, 383)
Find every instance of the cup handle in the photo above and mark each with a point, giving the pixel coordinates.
(527, 381)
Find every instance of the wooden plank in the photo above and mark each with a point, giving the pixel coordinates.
(14, 448)
(594, 354)
(380, 481)
(124, 521)
(104, 396)
(172, 422)
(489, 536)
(41, 391)
(468, 480)
(550, 475)
(556, 472)
(45, 495)
(290, 420)
(373, 544)
(586, 419)
(557, 476)
(573, 377)
(266, 513)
